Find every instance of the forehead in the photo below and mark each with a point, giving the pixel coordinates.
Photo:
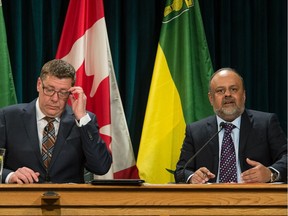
(55, 81)
(226, 78)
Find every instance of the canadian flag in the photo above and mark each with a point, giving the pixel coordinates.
(84, 44)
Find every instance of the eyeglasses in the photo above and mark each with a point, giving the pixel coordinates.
(50, 92)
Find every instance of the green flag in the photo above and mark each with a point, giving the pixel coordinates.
(7, 90)
(178, 92)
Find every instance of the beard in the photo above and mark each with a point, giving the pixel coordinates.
(229, 113)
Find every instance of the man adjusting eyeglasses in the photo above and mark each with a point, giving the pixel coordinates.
(47, 140)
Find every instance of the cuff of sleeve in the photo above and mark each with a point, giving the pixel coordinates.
(278, 173)
(8, 177)
(188, 179)
(83, 121)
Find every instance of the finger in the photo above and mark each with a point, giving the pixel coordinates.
(18, 181)
(28, 178)
(249, 176)
(201, 177)
(252, 162)
(210, 175)
(25, 179)
(250, 179)
(207, 173)
(35, 177)
(249, 172)
(76, 89)
(20, 176)
(27, 175)
(243, 174)
(75, 95)
(71, 97)
(78, 93)
(196, 179)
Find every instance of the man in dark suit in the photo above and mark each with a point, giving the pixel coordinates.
(78, 144)
(259, 142)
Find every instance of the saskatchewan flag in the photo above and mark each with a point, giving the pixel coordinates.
(178, 92)
(7, 90)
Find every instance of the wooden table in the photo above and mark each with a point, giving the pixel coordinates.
(169, 199)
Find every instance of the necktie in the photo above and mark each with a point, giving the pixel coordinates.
(228, 170)
(48, 141)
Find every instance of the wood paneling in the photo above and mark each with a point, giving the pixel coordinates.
(169, 199)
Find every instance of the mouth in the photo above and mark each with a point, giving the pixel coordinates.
(52, 107)
(229, 102)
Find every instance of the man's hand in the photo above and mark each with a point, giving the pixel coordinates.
(201, 176)
(78, 101)
(258, 174)
(24, 175)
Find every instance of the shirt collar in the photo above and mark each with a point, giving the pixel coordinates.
(39, 114)
(236, 122)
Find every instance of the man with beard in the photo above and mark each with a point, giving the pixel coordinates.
(259, 145)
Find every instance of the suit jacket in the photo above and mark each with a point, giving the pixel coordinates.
(261, 139)
(75, 147)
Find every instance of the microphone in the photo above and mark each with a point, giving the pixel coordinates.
(222, 125)
(46, 128)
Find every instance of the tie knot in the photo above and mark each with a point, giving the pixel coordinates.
(49, 119)
(229, 127)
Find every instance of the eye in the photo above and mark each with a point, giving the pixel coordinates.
(220, 91)
(64, 93)
(50, 90)
(234, 90)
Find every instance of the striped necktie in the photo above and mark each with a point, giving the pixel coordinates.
(48, 141)
(228, 170)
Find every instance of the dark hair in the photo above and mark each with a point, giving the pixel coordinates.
(229, 69)
(58, 68)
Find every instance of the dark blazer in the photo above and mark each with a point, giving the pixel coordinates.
(261, 139)
(75, 147)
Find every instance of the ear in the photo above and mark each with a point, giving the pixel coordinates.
(39, 84)
(210, 97)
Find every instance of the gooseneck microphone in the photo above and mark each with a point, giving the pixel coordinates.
(222, 125)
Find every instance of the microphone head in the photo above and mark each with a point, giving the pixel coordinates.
(222, 125)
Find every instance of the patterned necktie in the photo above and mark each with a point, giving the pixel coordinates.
(228, 170)
(48, 141)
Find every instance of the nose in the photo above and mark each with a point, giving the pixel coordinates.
(228, 93)
(55, 96)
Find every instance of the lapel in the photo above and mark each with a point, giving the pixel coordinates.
(245, 130)
(66, 124)
(214, 144)
(30, 125)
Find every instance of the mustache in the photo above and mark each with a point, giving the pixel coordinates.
(228, 100)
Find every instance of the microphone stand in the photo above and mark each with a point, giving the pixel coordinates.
(222, 125)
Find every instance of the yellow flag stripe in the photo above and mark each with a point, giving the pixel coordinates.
(164, 126)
